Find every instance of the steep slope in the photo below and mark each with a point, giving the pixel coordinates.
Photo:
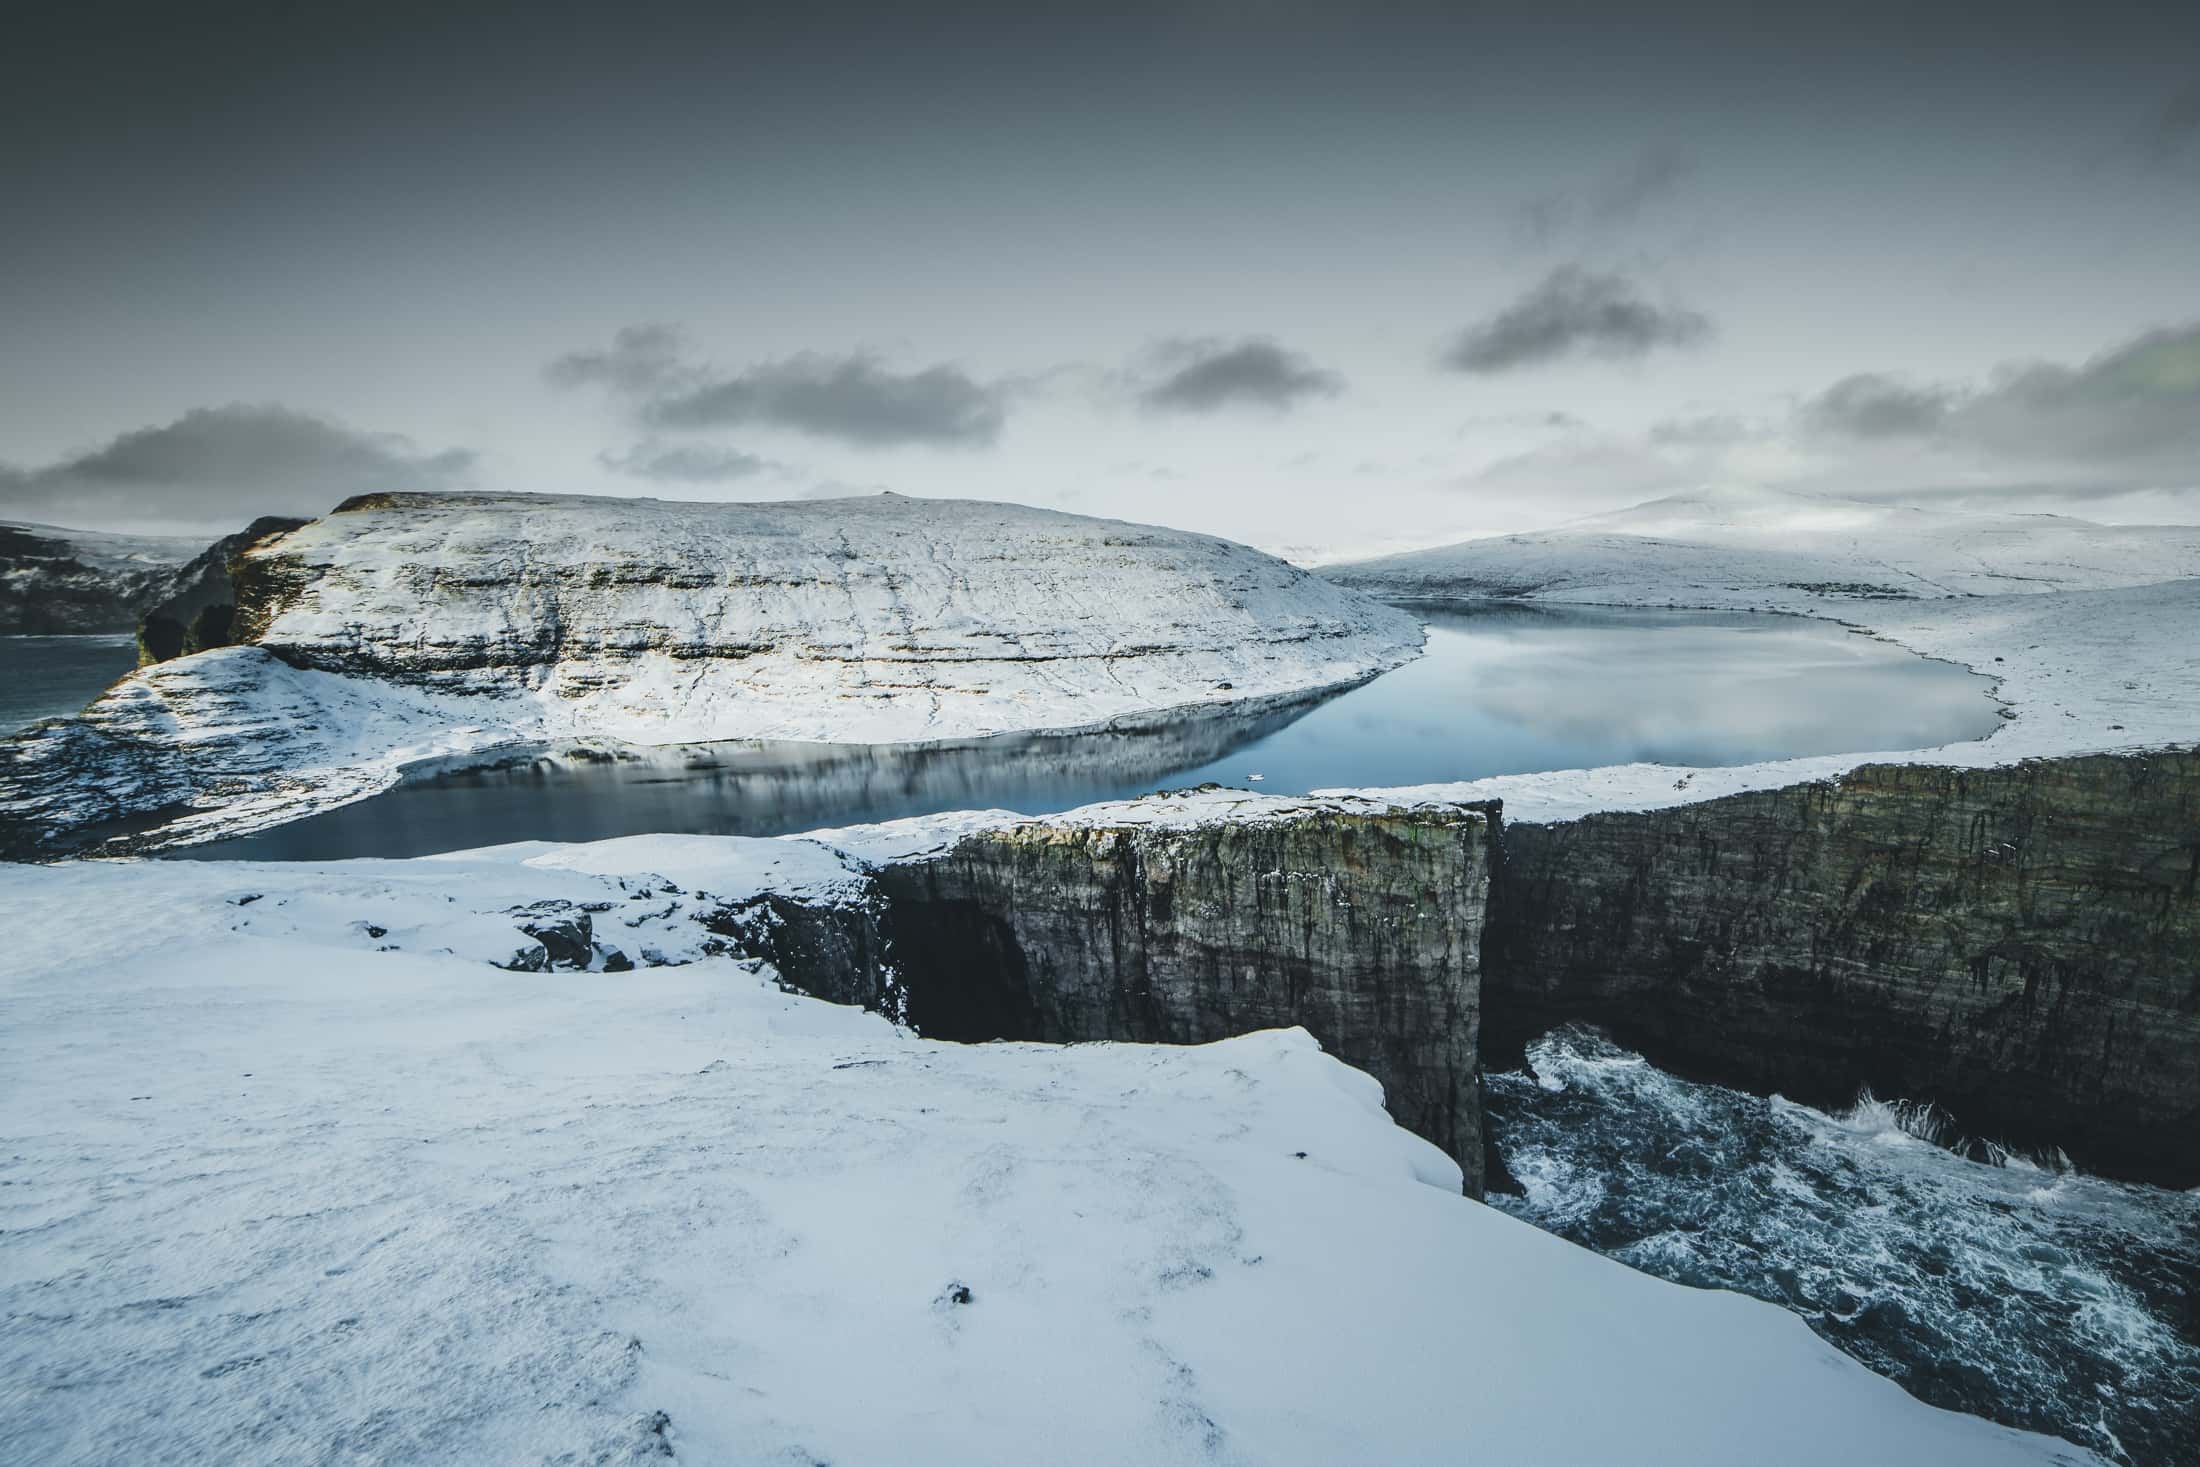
(407, 627)
(194, 614)
(1762, 547)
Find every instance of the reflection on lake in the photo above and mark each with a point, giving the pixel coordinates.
(1502, 689)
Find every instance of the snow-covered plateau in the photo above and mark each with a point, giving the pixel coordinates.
(2092, 631)
(408, 628)
(295, 1172)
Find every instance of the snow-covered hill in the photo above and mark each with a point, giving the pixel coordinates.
(294, 1174)
(1773, 548)
(878, 619)
(2092, 631)
(411, 627)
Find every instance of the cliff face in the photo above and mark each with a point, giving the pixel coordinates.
(195, 613)
(1366, 928)
(2021, 945)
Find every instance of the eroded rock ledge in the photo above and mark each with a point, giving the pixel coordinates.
(2020, 945)
(1362, 925)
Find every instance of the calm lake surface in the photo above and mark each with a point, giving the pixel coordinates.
(48, 677)
(1501, 690)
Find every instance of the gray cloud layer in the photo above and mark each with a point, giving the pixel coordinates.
(1204, 376)
(2174, 136)
(1575, 312)
(687, 463)
(2117, 435)
(853, 399)
(640, 359)
(1617, 199)
(221, 467)
(2138, 404)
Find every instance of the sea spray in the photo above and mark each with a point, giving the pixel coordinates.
(1983, 1280)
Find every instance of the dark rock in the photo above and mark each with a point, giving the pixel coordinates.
(2020, 946)
(201, 597)
(1366, 928)
(834, 951)
(567, 936)
(533, 958)
(159, 638)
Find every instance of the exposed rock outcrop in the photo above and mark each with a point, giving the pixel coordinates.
(198, 612)
(1362, 924)
(2020, 945)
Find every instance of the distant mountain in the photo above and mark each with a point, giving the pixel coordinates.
(55, 581)
(1766, 548)
(65, 582)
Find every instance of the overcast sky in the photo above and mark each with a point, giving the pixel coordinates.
(1325, 279)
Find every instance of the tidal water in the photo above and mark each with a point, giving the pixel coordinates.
(2020, 1291)
(50, 677)
(1499, 690)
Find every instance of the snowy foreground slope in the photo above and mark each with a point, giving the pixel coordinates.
(410, 627)
(293, 1174)
(2092, 631)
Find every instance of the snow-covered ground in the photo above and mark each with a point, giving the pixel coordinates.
(424, 627)
(2093, 631)
(1769, 549)
(292, 1174)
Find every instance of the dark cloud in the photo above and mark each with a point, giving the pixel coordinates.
(223, 466)
(1873, 405)
(1204, 376)
(687, 463)
(2136, 405)
(640, 359)
(2173, 136)
(1575, 312)
(1613, 201)
(854, 398)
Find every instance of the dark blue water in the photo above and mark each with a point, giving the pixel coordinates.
(50, 677)
(2020, 1291)
(1500, 690)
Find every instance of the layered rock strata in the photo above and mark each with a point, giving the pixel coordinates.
(1362, 925)
(2020, 945)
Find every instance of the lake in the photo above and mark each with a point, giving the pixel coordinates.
(49, 677)
(1501, 689)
